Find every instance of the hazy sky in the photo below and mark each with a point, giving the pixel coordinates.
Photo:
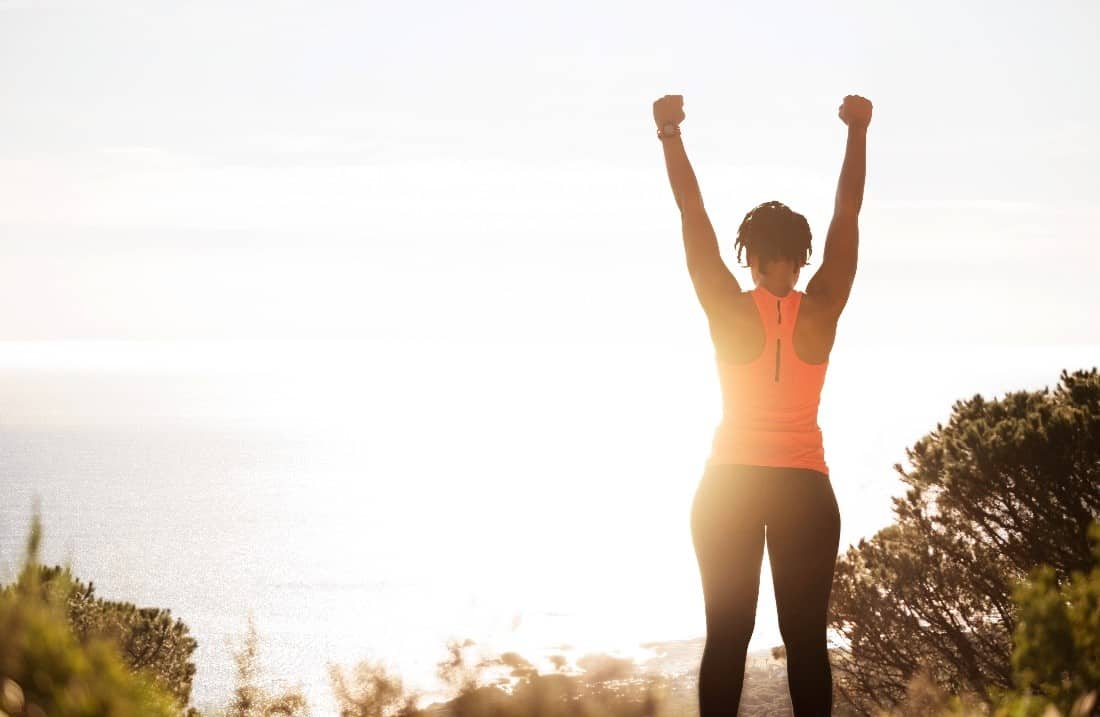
(281, 169)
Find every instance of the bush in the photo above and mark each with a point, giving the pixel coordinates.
(46, 670)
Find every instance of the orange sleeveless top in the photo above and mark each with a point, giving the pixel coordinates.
(769, 405)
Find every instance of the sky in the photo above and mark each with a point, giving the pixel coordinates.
(431, 222)
(334, 170)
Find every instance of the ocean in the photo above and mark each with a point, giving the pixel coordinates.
(377, 518)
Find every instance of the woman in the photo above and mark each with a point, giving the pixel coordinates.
(766, 473)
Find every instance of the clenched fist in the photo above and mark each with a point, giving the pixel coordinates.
(855, 111)
(669, 108)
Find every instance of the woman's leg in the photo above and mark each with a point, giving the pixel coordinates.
(727, 528)
(803, 533)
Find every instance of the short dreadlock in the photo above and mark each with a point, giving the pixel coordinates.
(772, 231)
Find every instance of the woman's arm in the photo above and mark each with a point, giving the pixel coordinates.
(715, 287)
(832, 283)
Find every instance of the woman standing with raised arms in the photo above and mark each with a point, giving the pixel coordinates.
(766, 473)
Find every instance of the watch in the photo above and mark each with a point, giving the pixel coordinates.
(669, 129)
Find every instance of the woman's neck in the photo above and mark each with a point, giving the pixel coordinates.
(776, 288)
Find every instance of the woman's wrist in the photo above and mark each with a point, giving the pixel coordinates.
(668, 130)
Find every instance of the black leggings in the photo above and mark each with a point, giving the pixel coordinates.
(732, 506)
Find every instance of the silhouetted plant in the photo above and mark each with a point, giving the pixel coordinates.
(1056, 651)
(1005, 486)
(607, 687)
(45, 669)
(371, 691)
(147, 638)
(250, 699)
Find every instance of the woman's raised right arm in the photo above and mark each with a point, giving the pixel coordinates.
(715, 286)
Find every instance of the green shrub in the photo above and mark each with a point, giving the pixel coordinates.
(46, 670)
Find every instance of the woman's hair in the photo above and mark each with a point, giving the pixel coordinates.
(773, 231)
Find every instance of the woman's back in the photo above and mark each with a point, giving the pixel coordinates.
(770, 392)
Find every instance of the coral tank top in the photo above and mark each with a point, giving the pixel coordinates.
(769, 405)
